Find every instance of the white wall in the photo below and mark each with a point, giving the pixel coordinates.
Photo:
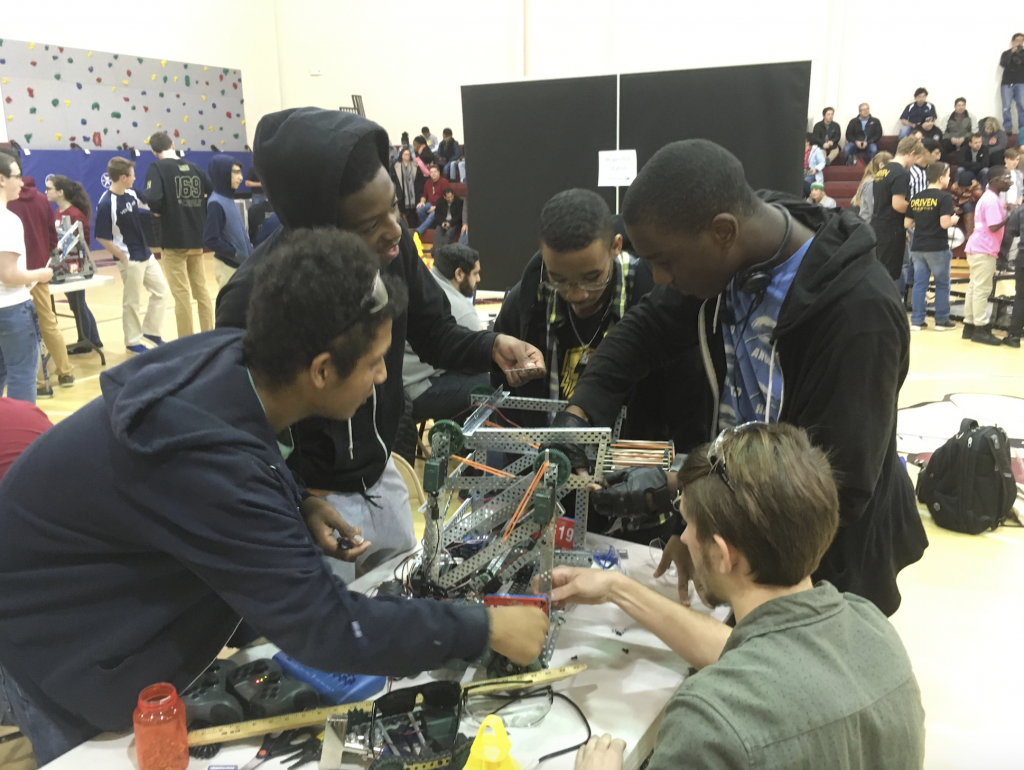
(408, 60)
(226, 33)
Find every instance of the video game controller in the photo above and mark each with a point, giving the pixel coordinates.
(207, 701)
(266, 692)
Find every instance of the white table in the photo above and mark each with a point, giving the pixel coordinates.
(67, 287)
(622, 693)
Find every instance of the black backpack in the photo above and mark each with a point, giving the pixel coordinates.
(968, 483)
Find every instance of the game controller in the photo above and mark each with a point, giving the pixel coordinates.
(207, 701)
(265, 691)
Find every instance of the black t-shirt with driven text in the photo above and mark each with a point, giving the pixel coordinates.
(926, 208)
(891, 179)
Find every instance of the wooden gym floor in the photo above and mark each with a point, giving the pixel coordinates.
(961, 617)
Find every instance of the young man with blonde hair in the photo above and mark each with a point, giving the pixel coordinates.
(176, 192)
(892, 198)
(809, 677)
(119, 230)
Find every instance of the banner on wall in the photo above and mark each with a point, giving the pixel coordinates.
(91, 169)
(55, 95)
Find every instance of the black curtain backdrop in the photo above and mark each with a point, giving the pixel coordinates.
(524, 143)
(527, 141)
(757, 112)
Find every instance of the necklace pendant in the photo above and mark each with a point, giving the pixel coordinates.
(585, 357)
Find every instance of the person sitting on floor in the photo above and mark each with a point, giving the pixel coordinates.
(809, 677)
(192, 520)
(448, 217)
(818, 197)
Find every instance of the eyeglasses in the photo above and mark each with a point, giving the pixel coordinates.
(564, 286)
(717, 459)
(13, 176)
(377, 298)
(524, 708)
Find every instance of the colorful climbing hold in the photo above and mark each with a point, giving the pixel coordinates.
(204, 97)
(146, 109)
(234, 85)
(31, 110)
(176, 133)
(78, 86)
(129, 73)
(124, 82)
(32, 63)
(67, 102)
(54, 102)
(83, 121)
(163, 62)
(221, 77)
(140, 59)
(116, 55)
(161, 94)
(153, 76)
(134, 124)
(115, 114)
(57, 136)
(70, 60)
(235, 135)
(228, 114)
(28, 137)
(175, 78)
(56, 76)
(31, 91)
(186, 118)
(99, 80)
(90, 68)
(95, 105)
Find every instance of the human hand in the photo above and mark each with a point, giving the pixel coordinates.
(604, 753)
(992, 140)
(862, 145)
(581, 585)
(322, 520)
(518, 633)
(432, 209)
(954, 219)
(465, 228)
(632, 493)
(513, 356)
(677, 553)
(44, 275)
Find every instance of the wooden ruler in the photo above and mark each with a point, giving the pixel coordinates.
(257, 727)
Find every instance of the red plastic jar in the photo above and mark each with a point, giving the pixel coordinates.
(161, 739)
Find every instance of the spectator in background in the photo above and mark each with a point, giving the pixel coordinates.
(409, 181)
(464, 236)
(119, 229)
(448, 217)
(448, 153)
(919, 172)
(422, 155)
(864, 200)
(929, 218)
(982, 251)
(225, 233)
(33, 209)
(252, 182)
(862, 135)
(19, 330)
(915, 112)
(176, 191)
(1013, 197)
(433, 189)
(892, 198)
(959, 127)
(462, 167)
(435, 393)
(1012, 85)
(258, 213)
(405, 144)
(929, 131)
(818, 197)
(430, 139)
(21, 423)
(827, 134)
(974, 162)
(994, 139)
(1014, 227)
(73, 202)
(814, 162)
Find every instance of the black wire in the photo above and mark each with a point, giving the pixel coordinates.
(576, 746)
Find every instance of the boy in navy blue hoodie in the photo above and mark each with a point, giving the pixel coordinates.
(193, 521)
(225, 231)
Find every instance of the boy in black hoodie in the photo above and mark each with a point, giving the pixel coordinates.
(326, 168)
(192, 522)
(797, 322)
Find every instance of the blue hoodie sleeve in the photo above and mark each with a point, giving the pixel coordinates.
(213, 235)
(251, 546)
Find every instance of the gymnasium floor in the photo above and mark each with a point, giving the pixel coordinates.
(961, 617)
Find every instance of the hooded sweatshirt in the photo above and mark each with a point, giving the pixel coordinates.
(36, 215)
(225, 231)
(300, 155)
(177, 189)
(188, 523)
(842, 344)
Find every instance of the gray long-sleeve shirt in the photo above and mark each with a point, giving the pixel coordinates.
(813, 681)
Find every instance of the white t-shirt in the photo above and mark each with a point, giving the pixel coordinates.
(12, 238)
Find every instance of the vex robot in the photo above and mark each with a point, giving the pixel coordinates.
(511, 527)
(71, 260)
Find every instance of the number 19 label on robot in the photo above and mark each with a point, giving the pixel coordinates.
(564, 530)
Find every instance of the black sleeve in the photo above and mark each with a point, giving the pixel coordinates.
(874, 131)
(154, 189)
(818, 134)
(508, 322)
(1004, 59)
(901, 185)
(433, 332)
(233, 298)
(658, 329)
(946, 206)
(853, 130)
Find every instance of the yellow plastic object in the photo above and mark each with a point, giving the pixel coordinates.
(490, 751)
(419, 244)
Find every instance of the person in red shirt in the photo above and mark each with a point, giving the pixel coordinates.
(73, 202)
(20, 424)
(432, 192)
(34, 211)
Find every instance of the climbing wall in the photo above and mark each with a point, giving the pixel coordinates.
(55, 95)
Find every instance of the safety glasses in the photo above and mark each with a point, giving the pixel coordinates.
(715, 453)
